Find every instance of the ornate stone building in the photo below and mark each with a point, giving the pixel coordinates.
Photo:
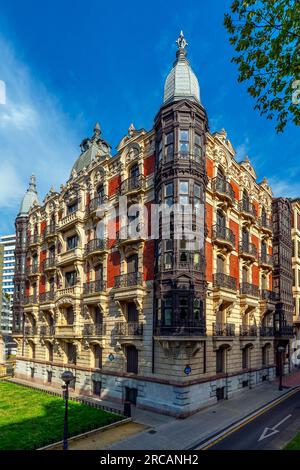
(296, 262)
(170, 323)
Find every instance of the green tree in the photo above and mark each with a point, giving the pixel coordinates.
(266, 38)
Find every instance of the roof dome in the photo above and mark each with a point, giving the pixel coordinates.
(90, 149)
(29, 198)
(181, 82)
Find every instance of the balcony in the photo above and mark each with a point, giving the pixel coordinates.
(224, 281)
(285, 331)
(188, 329)
(47, 297)
(92, 330)
(96, 246)
(33, 240)
(266, 261)
(32, 270)
(50, 264)
(186, 262)
(268, 295)
(266, 331)
(132, 185)
(46, 330)
(129, 329)
(94, 287)
(224, 330)
(266, 225)
(129, 280)
(223, 236)
(67, 331)
(49, 232)
(248, 251)
(95, 204)
(30, 330)
(248, 331)
(247, 210)
(30, 300)
(73, 291)
(131, 234)
(248, 289)
(223, 189)
(69, 257)
(69, 220)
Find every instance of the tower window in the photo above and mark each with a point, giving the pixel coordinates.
(168, 311)
(169, 146)
(198, 148)
(184, 145)
(184, 192)
(169, 192)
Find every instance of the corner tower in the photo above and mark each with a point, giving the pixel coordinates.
(180, 285)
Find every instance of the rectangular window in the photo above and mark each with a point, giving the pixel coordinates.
(70, 279)
(198, 148)
(168, 256)
(220, 361)
(245, 354)
(72, 242)
(169, 146)
(169, 193)
(72, 207)
(159, 151)
(184, 145)
(183, 192)
(168, 312)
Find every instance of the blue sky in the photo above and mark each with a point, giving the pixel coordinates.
(68, 64)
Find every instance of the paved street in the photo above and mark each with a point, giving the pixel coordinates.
(270, 430)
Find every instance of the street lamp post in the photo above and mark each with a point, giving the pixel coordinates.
(280, 350)
(67, 377)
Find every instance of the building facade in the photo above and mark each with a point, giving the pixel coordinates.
(170, 322)
(7, 254)
(296, 263)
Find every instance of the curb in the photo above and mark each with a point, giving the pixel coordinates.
(88, 433)
(212, 437)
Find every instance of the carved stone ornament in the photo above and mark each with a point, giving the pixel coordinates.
(65, 301)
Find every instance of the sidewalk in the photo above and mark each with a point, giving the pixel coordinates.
(183, 434)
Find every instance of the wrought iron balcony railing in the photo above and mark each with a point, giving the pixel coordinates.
(248, 249)
(49, 231)
(248, 330)
(268, 295)
(133, 183)
(222, 186)
(94, 286)
(181, 329)
(33, 239)
(30, 330)
(30, 300)
(50, 263)
(47, 296)
(94, 329)
(248, 208)
(223, 329)
(47, 330)
(246, 288)
(266, 260)
(129, 280)
(96, 245)
(266, 223)
(284, 331)
(96, 202)
(32, 269)
(129, 329)
(225, 281)
(223, 233)
(266, 331)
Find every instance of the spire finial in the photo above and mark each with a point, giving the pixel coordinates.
(181, 41)
(32, 183)
(97, 129)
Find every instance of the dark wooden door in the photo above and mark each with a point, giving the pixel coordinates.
(132, 313)
(132, 359)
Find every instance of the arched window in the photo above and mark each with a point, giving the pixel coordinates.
(245, 200)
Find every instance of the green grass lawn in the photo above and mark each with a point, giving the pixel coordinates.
(294, 444)
(30, 418)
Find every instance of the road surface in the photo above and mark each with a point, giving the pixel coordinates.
(267, 430)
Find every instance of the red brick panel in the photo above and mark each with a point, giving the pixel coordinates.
(42, 285)
(149, 260)
(255, 275)
(148, 206)
(234, 226)
(271, 282)
(234, 267)
(43, 256)
(256, 205)
(113, 226)
(149, 165)
(209, 168)
(113, 185)
(236, 190)
(113, 267)
(209, 218)
(209, 260)
(43, 226)
(255, 242)
(87, 199)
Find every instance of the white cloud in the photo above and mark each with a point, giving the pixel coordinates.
(36, 136)
(284, 188)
